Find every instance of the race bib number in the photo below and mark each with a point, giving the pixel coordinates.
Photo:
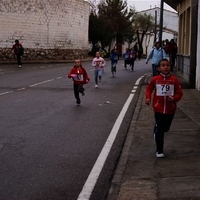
(78, 78)
(164, 89)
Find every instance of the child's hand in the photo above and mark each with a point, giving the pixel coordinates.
(147, 101)
(73, 75)
(87, 80)
(170, 98)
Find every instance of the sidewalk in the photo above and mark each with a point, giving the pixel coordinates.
(142, 176)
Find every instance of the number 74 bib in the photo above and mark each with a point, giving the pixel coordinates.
(164, 89)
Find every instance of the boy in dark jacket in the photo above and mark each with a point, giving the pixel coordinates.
(114, 57)
(79, 77)
(18, 51)
(167, 92)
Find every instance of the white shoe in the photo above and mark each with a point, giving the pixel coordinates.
(19, 66)
(96, 86)
(160, 155)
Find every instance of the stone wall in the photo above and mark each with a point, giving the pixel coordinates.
(48, 29)
(44, 54)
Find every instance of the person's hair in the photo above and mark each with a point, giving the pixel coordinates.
(164, 59)
(156, 43)
(16, 40)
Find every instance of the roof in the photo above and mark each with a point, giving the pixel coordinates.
(173, 3)
(156, 8)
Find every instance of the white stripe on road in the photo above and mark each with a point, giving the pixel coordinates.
(41, 83)
(5, 93)
(138, 81)
(98, 166)
(133, 91)
(21, 89)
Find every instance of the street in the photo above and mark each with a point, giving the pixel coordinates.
(48, 144)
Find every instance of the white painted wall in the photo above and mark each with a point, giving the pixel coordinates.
(44, 24)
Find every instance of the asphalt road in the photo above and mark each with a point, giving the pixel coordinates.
(48, 144)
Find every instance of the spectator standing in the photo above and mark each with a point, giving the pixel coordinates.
(172, 53)
(135, 48)
(18, 51)
(167, 46)
(156, 54)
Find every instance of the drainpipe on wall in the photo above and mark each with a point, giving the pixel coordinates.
(193, 44)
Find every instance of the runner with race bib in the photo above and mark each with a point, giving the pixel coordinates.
(166, 92)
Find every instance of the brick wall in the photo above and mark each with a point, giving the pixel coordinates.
(40, 25)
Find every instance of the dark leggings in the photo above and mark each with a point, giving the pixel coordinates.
(78, 88)
(19, 62)
(162, 125)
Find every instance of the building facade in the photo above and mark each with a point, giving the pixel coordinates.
(170, 27)
(188, 62)
(48, 29)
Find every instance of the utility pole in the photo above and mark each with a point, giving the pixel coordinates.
(161, 21)
(155, 29)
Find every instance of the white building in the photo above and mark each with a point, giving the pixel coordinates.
(170, 27)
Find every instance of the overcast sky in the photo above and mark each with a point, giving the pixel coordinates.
(145, 4)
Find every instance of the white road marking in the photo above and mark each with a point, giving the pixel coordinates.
(59, 77)
(5, 93)
(41, 83)
(21, 89)
(135, 87)
(138, 81)
(98, 166)
(133, 91)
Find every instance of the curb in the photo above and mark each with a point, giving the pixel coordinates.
(118, 175)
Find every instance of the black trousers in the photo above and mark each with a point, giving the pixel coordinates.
(132, 64)
(78, 88)
(172, 58)
(125, 63)
(19, 62)
(162, 125)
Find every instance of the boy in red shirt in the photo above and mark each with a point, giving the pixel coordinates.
(79, 77)
(167, 92)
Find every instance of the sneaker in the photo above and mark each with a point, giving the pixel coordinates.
(96, 86)
(78, 102)
(160, 155)
(19, 66)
